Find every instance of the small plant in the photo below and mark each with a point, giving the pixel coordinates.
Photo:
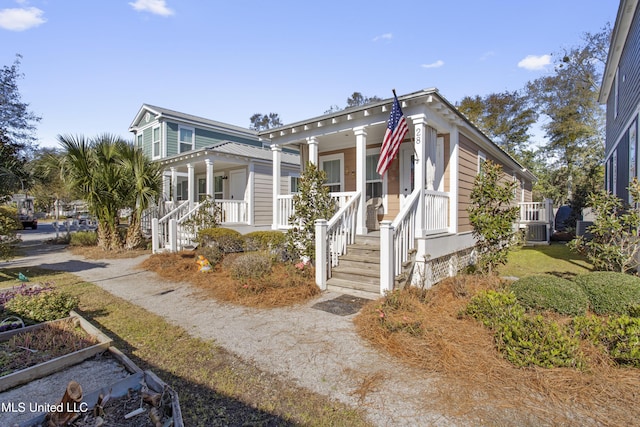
(524, 340)
(610, 292)
(618, 336)
(228, 240)
(250, 266)
(44, 306)
(612, 243)
(84, 238)
(313, 202)
(492, 215)
(545, 292)
(208, 215)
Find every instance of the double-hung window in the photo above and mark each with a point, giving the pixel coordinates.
(139, 139)
(156, 142)
(185, 139)
(332, 167)
(374, 180)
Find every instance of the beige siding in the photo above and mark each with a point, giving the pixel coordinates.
(263, 194)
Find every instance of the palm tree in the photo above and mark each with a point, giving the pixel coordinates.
(145, 179)
(93, 170)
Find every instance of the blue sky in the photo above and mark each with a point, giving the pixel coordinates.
(90, 65)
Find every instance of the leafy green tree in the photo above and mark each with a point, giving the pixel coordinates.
(265, 121)
(47, 185)
(8, 225)
(612, 242)
(492, 215)
(312, 202)
(355, 100)
(17, 127)
(504, 117)
(574, 123)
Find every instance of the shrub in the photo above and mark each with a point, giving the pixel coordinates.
(545, 292)
(84, 238)
(524, 340)
(264, 241)
(610, 292)
(492, 215)
(42, 307)
(490, 307)
(8, 225)
(228, 240)
(251, 265)
(619, 336)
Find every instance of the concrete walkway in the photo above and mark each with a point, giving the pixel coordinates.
(313, 348)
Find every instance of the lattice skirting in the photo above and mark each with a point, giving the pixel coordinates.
(431, 271)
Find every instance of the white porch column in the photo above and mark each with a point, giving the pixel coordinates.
(166, 186)
(210, 179)
(422, 158)
(174, 184)
(276, 152)
(321, 253)
(191, 184)
(312, 142)
(387, 273)
(454, 166)
(251, 194)
(361, 178)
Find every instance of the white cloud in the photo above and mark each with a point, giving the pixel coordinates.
(533, 62)
(439, 63)
(158, 7)
(21, 19)
(487, 55)
(385, 36)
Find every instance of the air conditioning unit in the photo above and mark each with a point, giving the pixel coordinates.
(537, 233)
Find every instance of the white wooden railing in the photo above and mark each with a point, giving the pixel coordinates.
(286, 209)
(436, 210)
(333, 236)
(162, 229)
(233, 211)
(397, 240)
(536, 212)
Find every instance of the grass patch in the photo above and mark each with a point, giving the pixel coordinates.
(283, 285)
(215, 387)
(555, 259)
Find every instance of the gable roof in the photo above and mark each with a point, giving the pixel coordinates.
(165, 113)
(626, 11)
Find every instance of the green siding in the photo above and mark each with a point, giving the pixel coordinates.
(146, 142)
(172, 139)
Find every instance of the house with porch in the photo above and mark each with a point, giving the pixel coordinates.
(203, 159)
(411, 222)
(410, 225)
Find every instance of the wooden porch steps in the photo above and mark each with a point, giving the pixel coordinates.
(359, 270)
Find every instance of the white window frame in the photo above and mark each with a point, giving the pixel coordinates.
(329, 158)
(383, 179)
(155, 141)
(221, 193)
(193, 138)
(481, 159)
(139, 139)
(293, 176)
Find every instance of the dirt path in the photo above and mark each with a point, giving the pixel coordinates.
(313, 348)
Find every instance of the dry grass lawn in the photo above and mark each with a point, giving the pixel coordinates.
(432, 336)
(284, 286)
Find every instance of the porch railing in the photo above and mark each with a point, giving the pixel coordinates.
(397, 240)
(436, 209)
(333, 236)
(286, 209)
(536, 212)
(162, 230)
(233, 211)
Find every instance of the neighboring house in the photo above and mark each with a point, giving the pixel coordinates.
(201, 159)
(620, 91)
(414, 219)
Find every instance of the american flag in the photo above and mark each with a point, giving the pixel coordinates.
(396, 130)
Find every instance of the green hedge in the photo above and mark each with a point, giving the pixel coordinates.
(84, 238)
(264, 241)
(545, 292)
(226, 239)
(610, 292)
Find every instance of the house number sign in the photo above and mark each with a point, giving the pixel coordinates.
(418, 135)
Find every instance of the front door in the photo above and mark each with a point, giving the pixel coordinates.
(407, 172)
(237, 184)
